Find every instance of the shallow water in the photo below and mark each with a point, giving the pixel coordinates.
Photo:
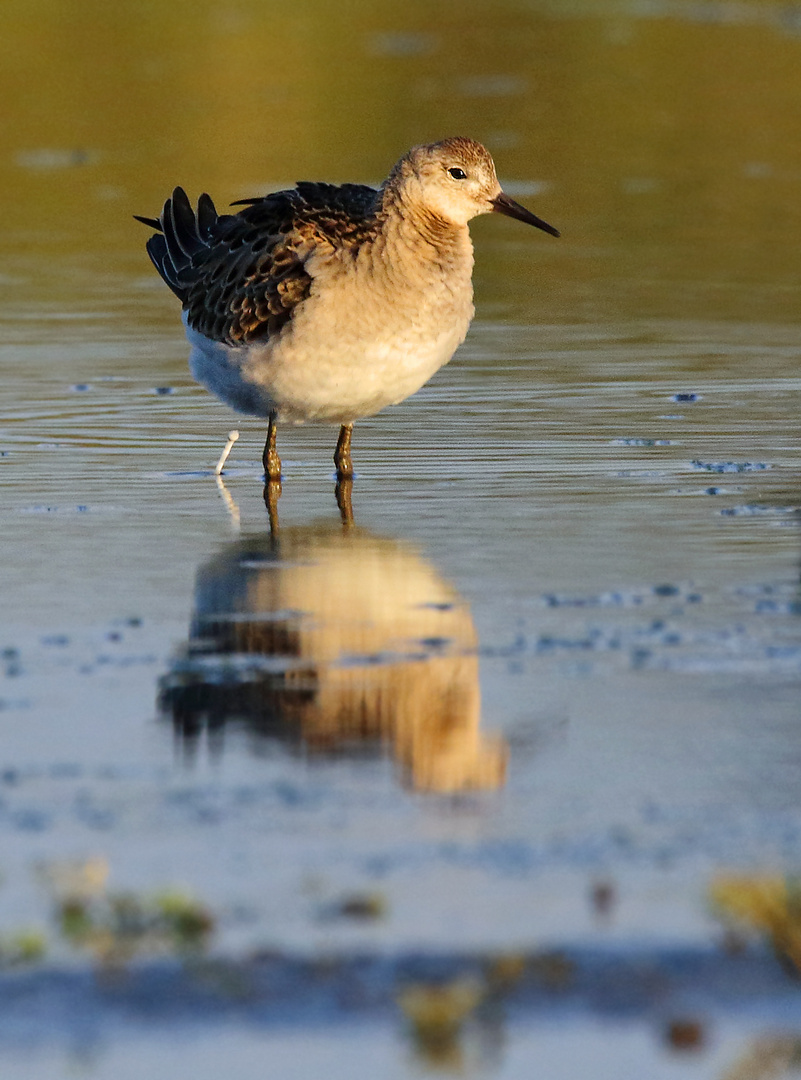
(561, 645)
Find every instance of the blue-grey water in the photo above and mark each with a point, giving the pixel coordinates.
(557, 657)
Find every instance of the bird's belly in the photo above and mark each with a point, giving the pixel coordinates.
(342, 383)
(357, 346)
(337, 376)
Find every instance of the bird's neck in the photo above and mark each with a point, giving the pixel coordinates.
(413, 230)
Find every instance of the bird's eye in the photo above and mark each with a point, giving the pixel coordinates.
(457, 174)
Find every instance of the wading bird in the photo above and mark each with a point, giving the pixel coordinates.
(328, 303)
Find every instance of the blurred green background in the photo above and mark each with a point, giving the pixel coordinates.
(663, 138)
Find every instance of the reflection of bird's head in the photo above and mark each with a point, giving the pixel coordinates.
(367, 642)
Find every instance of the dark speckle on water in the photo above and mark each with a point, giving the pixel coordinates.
(777, 607)
(65, 771)
(730, 466)
(640, 442)
(435, 643)
(758, 511)
(30, 820)
(92, 815)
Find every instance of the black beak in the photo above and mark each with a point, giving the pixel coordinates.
(502, 204)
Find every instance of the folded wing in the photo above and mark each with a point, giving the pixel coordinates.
(240, 276)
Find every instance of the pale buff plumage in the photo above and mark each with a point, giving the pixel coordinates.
(330, 303)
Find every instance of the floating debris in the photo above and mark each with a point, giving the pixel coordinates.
(603, 897)
(685, 1033)
(362, 906)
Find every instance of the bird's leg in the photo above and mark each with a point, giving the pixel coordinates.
(343, 492)
(342, 453)
(270, 458)
(272, 493)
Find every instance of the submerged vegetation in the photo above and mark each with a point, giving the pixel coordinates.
(768, 906)
(113, 927)
(121, 926)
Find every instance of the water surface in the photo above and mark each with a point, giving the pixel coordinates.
(561, 644)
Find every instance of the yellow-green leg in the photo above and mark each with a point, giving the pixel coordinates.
(342, 453)
(270, 458)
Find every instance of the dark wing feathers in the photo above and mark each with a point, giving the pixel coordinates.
(240, 276)
(154, 223)
(185, 227)
(206, 216)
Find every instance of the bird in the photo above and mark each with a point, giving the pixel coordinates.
(330, 302)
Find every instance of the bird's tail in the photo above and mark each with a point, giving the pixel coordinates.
(182, 234)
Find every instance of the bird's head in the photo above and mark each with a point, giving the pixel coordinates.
(455, 181)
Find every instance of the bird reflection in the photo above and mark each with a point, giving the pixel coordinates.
(339, 642)
(767, 1058)
(343, 493)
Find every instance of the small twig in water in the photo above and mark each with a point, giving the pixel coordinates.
(232, 437)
